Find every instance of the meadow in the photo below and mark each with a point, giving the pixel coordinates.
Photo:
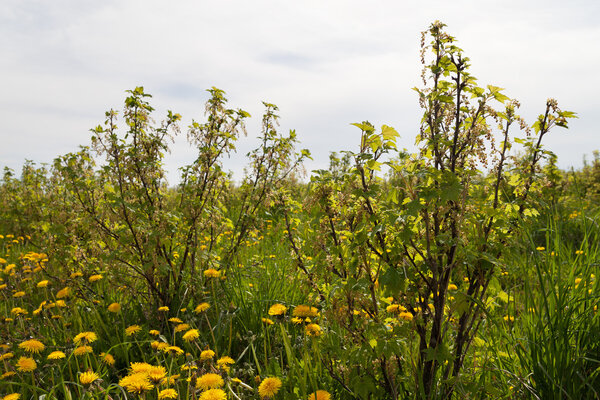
(465, 270)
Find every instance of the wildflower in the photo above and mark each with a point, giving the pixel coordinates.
(12, 396)
(163, 309)
(297, 320)
(88, 377)
(540, 248)
(76, 274)
(224, 363)
(60, 303)
(139, 367)
(509, 318)
(95, 278)
(32, 346)
(6, 356)
(212, 273)
(269, 387)
(86, 337)
(201, 308)
(82, 350)
(277, 309)
(19, 294)
(320, 395)
(157, 374)
(167, 394)
(213, 394)
(181, 327)
(406, 316)
(26, 364)
(64, 292)
(207, 355)
(42, 284)
(209, 381)
(395, 308)
(267, 321)
(191, 335)
(174, 350)
(156, 345)
(154, 332)
(114, 308)
(8, 374)
(18, 311)
(107, 359)
(305, 311)
(132, 330)
(578, 252)
(136, 383)
(452, 286)
(313, 330)
(56, 355)
(175, 320)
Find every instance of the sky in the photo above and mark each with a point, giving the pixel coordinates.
(325, 64)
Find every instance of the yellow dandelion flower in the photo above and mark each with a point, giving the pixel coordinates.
(156, 345)
(32, 346)
(269, 387)
(209, 381)
(181, 327)
(85, 337)
(19, 294)
(173, 350)
(18, 311)
(212, 273)
(277, 309)
(207, 355)
(6, 356)
(114, 308)
(540, 248)
(305, 311)
(136, 383)
(157, 374)
(201, 308)
(313, 330)
(64, 292)
(42, 284)
(76, 274)
(191, 335)
(167, 394)
(224, 363)
(82, 350)
(8, 374)
(297, 320)
(88, 377)
(139, 367)
(60, 303)
(452, 286)
(163, 309)
(213, 394)
(406, 316)
(175, 320)
(267, 321)
(154, 332)
(56, 355)
(132, 330)
(95, 278)
(107, 359)
(12, 396)
(26, 364)
(320, 395)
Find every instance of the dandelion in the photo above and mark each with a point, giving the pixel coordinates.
(200, 308)
(163, 309)
(406, 316)
(154, 332)
(207, 355)
(174, 350)
(209, 381)
(305, 311)
(269, 387)
(6, 356)
(509, 318)
(56, 355)
(12, 396)
(224, 363)
(95, 278)
(181, 327)
(107, 359)
(452, 286)
(320, 395)
(132, 330)
(136, 383)
(267, 321)
(157, 374)
(18, 311)
(156, 345)
(82, 350)
(175, 320)
(212, 273)
(167, 394)
(88, 377)
(540, 248)
(86, 337)
(139, 367)
(395, 308)
(76, 274)
(42, 284)
(313, 330)
(26, 364)
(191, 335)
(114, 308)
(32, 346)
(297, 320)
(277, 309)
(213, 394)
(64, 292)
(19, 294)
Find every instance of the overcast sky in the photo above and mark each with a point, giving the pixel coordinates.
(326, 64)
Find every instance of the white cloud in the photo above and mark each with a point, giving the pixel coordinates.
(325, 64)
